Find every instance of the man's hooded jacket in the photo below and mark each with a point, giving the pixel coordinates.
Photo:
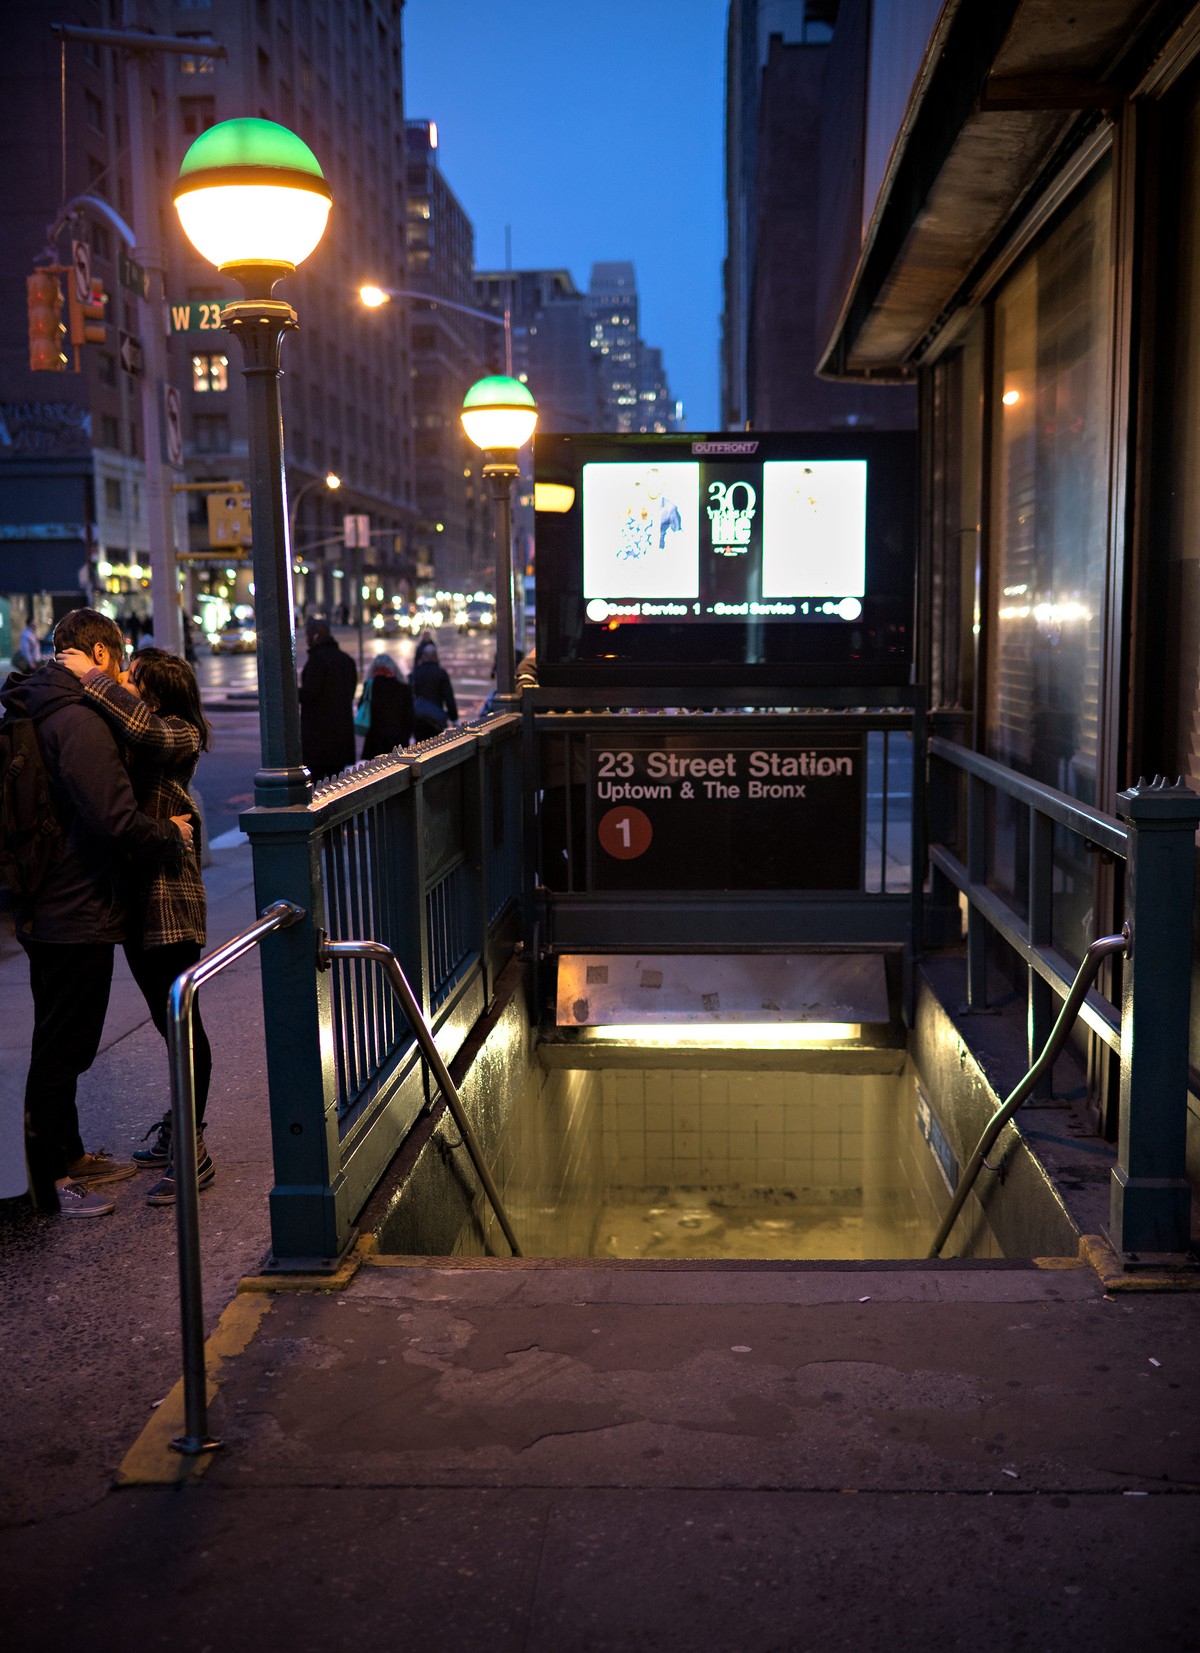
(81, 898)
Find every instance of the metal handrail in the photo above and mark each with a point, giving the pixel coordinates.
(1099, 950)
(278, 916)
(381, 954)
(1105, 831)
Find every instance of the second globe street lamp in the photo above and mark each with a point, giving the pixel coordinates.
(499, 415)
(253, 201)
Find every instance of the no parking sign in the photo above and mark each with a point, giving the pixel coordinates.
(173, 415)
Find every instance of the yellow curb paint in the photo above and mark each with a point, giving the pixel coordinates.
(151, 1461)
(1115, 1277)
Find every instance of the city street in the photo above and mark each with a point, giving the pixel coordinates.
(229, 687)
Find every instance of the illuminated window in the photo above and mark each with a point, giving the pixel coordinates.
(210, 373)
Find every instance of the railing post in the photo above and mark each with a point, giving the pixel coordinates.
(308, 1228)
(977, 872)
(1150, 1199)
(1041, 1008)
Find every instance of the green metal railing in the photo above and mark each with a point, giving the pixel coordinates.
(420, 852)
(1154, 838)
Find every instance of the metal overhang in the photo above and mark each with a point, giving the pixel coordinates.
(986, 117)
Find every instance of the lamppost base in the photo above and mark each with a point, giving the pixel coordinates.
(281, 788)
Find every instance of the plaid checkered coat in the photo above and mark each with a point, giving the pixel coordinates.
(166, 903)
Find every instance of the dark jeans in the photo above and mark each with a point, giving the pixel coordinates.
(154, 969)
(71, 983)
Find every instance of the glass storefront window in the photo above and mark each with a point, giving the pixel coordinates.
(1049, 477)
(1049, 473)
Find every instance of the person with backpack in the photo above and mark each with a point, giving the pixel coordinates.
(385, 708)
(433, 695)
(155, 713)
(69, 898)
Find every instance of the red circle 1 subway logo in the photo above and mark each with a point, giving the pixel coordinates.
(625, 833)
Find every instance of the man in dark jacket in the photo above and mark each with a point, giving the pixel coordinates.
(327, 686)
(77, 914)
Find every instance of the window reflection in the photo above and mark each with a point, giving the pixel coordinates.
(1049, 539)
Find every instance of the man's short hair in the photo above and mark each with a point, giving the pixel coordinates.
(316, 629)
(83, 628)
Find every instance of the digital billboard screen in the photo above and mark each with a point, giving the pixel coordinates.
(691, 558)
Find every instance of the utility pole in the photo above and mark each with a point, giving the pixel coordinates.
(160, 502)
(150, 255)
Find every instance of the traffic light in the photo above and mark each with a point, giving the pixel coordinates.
(87, 318)
(44, 302)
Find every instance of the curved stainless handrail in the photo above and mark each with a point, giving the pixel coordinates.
(381, 954)
(278, 916)
(1099, 950)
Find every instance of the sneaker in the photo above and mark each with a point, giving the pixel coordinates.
(163, 1192)
(75, 1200)
(100, 1167)
(159, 1151)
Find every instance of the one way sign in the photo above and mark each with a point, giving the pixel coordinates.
(130, 350)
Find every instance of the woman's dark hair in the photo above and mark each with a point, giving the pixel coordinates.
(168, 685)
(426, 649)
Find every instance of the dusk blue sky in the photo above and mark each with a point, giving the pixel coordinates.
(597, 133)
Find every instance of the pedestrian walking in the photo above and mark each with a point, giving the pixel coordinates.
(385, 708)
(29, 649)
(434, 705)
(156, 715)
(71, 922)
(327, 686)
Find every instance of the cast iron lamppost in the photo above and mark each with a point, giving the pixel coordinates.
(253, 201)
(499, 415)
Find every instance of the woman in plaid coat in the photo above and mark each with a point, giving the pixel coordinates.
(155, 713)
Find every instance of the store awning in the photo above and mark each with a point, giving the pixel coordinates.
(1002, 87)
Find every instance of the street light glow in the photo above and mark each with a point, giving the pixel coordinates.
(250, 192)
(332, 480)
(499, 414)
(373, 296)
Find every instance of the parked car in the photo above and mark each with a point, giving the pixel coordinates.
(477, 616)
(235, 637)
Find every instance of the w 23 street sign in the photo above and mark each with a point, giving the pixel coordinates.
(201, 316)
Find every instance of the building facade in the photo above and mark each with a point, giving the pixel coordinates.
(452, 546)
(551, 350)
(73, 507)
(635, 395)
(77, 524)
(1051, 324)
(776, 59)
(333, 74)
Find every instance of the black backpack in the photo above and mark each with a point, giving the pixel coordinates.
(31, 834)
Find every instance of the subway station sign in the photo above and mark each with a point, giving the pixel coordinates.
(750, 812)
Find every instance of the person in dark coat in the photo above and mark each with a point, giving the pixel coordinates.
(78, 912)
(327, 686)
(391, 708)
(433, 695)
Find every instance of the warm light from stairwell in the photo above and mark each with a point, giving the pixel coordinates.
(727, 1035)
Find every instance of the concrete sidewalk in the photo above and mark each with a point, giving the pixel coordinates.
(549, 1457)
(560, 1456)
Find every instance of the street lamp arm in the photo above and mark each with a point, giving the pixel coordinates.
(504, 321)
(450, 304)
